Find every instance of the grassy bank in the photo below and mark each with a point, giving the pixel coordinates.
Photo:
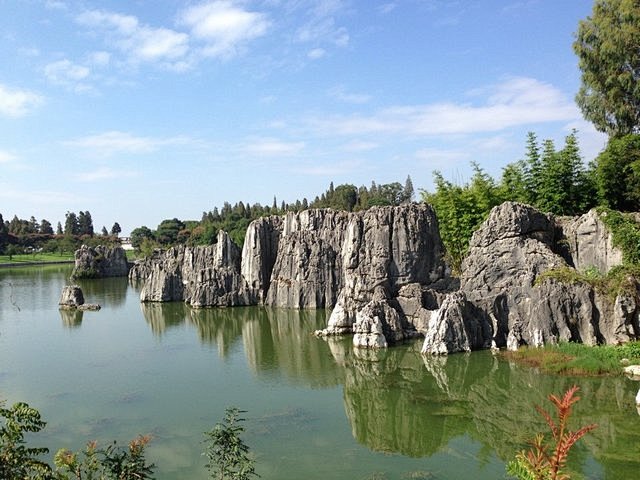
(578, 359)
(29, 258)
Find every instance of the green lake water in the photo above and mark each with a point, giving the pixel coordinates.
(316, 409)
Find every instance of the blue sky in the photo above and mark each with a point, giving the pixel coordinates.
(143, 110)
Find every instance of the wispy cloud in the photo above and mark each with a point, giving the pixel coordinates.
(387, 7)
(68, 74)
(223, 26)
(15, 102)
(6, 157)
(316, 53)
(515, 102)
(103, 173)
(321, 25)
(272, 147)
(343, 95)
(109, 143)
(139, 42)
(359, 146)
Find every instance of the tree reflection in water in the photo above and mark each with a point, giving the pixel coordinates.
(398, 401)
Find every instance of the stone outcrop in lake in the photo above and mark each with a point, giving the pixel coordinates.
(357, 262)
(100, 262)
(72, 298)
(200, 276)
(502, 302)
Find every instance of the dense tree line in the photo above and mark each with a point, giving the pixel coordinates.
(234, 219)
(554, 181)
(20, 235)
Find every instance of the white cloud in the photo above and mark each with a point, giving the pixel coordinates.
(103, 173)
(17, 102)
(99, 59)
(323, 30)
(316, 53)
(341, 94)
(271, 147)
(359, 146)
(109, 143)
(223, 26)
(55, 5)
(6, 157)
(515, 102)
(141, 43)
(68, 74)
(387, 7)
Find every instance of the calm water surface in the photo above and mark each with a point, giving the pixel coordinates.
(316, 409)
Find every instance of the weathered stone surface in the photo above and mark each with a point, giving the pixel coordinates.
(259, 255)
(308, 270)
(200, 276)
(500, 304)
(72, 296)
(383, 250)
(318, 258)
(590, 243)
(457, 327)
(100, 262)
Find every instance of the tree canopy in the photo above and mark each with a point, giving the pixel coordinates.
(609, 57)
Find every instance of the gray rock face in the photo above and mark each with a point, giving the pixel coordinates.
(259, 255)
(501, 305)
(307, 272)
(319, 258)
(590, 243)
(385, 249)
(71, 296)
(100, 262)
(200, 276)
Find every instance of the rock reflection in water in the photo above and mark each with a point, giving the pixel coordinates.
(398, 401)
(108, 292)
(71, 318)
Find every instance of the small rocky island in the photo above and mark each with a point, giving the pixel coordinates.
(383, 275)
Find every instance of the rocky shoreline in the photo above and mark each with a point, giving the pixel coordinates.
(382, 274)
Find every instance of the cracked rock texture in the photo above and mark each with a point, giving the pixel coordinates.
(500, 303)
(100, 262)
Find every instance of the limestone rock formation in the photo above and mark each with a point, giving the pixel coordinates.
(589, 242)
(501, 303)
(200, 276)
(72, 298)
(100, 262)
(356, 263)
(385, 249)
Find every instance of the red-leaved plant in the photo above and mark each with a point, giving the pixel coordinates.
(546, 461)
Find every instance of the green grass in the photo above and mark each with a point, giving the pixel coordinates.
(578, 359)
(24, 258)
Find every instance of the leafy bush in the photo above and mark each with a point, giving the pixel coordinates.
(227, 453)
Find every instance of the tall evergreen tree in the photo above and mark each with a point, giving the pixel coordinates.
(609, 58)
(408, 193)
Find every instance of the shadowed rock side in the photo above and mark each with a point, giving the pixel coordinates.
(499, 303)
(100, 262)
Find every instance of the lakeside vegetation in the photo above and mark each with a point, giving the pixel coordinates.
(578, 359)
